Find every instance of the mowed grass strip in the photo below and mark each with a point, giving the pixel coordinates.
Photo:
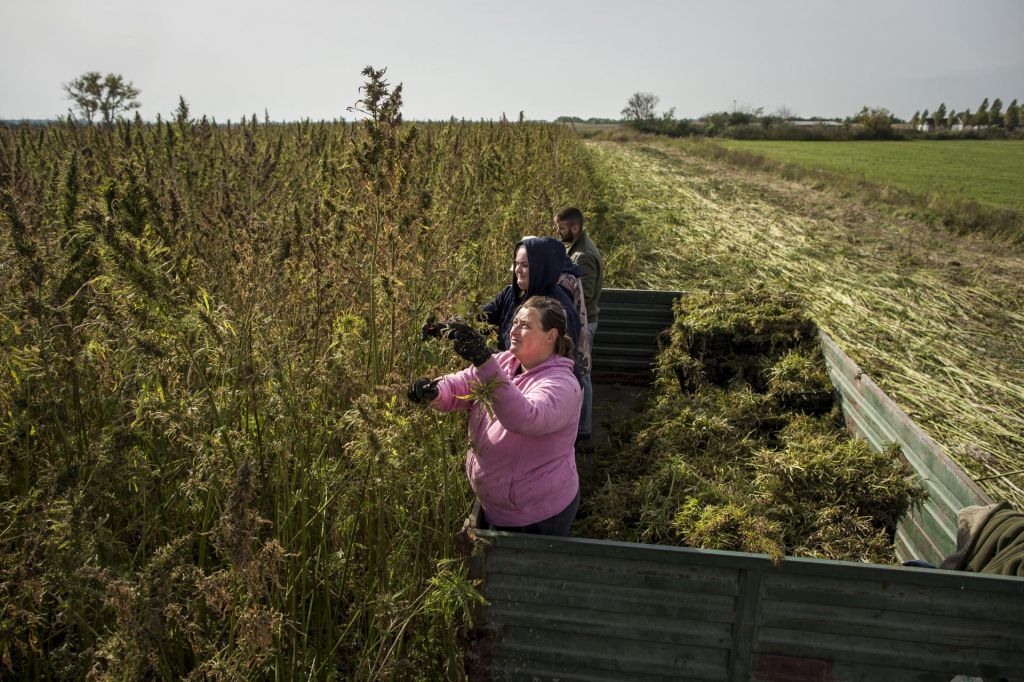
(936, 320)
(986, 171)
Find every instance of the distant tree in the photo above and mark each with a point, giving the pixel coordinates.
(915, 119)
(108, 95)
(877, 122)
(86, 92)
(924, 116)
(640, 107)
(744, 114)
(1011, 119)
(995, 112)
(980, 117)
(940, 116)
(715, 123)
(119, 96)
(784, 113)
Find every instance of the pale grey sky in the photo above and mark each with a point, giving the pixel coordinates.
(302, 59)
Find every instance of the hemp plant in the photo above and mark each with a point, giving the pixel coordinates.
(382, 161)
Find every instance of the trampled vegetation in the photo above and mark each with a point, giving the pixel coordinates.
(207, 469)
(935, 319)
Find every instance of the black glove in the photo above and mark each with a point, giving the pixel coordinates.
(422, 390)
(432, 328)
(469, 343)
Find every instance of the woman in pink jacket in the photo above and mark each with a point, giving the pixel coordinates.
(522, 463)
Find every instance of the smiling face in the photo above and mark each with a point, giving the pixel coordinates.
(521, 268)
(530, 343)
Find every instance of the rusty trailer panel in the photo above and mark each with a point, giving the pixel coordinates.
(575, 609)
(927, 532)
(628, 330)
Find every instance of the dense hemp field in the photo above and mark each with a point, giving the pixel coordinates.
(208, 468)
(936, 318)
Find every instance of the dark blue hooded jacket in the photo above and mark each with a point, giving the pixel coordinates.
(546, 256)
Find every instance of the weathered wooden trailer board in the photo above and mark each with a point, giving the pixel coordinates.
(577, 609)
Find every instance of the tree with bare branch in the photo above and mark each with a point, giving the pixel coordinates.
(640, 107)
(108, 95)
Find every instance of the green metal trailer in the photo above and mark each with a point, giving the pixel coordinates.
(577, 609)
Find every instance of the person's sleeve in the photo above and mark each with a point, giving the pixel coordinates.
(490, 312)
(547, 406)
(588, 274)
(451, 386)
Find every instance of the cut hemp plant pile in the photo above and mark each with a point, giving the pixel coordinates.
(741, 446)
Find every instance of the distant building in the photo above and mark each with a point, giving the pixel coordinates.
(926, 125)
(961, 124)
(812, 123)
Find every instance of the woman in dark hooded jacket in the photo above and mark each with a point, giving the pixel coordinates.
(536, 268)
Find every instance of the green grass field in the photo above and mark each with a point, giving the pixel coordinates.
(990, 172)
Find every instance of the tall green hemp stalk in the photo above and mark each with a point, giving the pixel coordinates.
(382, 159)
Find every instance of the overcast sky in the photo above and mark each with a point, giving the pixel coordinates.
(546, 58)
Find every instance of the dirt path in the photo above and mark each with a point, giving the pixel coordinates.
(936, 319)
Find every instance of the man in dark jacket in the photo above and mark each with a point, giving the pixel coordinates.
(536, 268)
(569, 225)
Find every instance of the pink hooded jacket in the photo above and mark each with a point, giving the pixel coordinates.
(522, 463)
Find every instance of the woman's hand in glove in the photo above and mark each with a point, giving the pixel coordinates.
(423, 390)
(469, 343)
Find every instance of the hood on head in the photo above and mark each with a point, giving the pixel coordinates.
(546, 256)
